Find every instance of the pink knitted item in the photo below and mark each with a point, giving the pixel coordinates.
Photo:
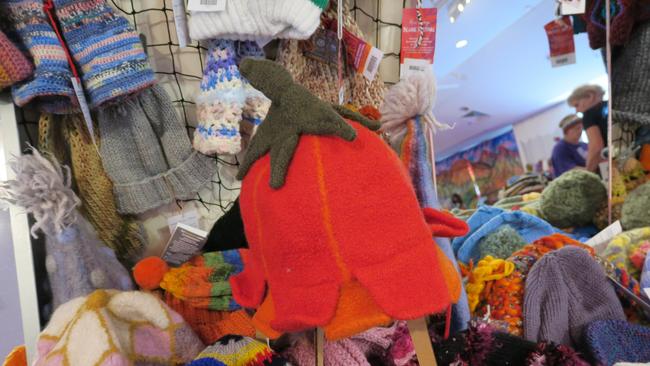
(14, 66)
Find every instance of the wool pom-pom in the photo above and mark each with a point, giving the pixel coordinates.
(573, 199)
(636, 208)
(149, 272)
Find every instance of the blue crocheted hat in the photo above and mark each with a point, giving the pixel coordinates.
(612, 341)
(482, 215)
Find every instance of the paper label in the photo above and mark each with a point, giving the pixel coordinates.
(264, 41)
(187, 217)
(560, 40)
(372, 63)
(647, 292)
(572, 7)
(342, 95)
(322, 46)
(81, 98)
(184, 243)
(599, 241)
(206, 5)
(418, 39)
(180, 20)
(604, 170)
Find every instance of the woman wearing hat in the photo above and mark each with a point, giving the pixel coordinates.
(569, 152)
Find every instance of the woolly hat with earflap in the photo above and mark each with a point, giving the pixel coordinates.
(408, 119)
(573, 199)
(611, 341)
(14, 67)
(620, 249)
(233, 350)
(77, 262)
(501, 243)
(529, 227)
(147, 154)
(311, 208)
(636, 209)
(116, 328)
(252, 20)
(565, 291)
(201, 282)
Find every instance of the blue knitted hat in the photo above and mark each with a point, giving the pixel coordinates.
(529, 227)
(612, 341)
(645, 274)
(482, 215)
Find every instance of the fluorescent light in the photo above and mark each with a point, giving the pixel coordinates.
(460, 7)
(467, 2)
(462, 43)
(452, 20)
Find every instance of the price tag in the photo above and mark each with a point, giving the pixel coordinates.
(573, 7)
(372, 63)
(180, 20)
(187, 217)
(647, 292)
(361, 55)
(560, 40)
(206, 5)
(322, 46)
(418, 40)
(342, 95)
(81, 98)
(599, 241)
(184, 243)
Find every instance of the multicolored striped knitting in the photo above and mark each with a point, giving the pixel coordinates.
(14, 67)
(237, 351)
(620, 249)
(106, 49)
(49, 87)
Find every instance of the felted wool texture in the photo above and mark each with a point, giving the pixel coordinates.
(482, 215)
(14, 67)
(619, 250)
(258, 19)
(501, 243)
(106, 49)
(147, 153)
(636, 208)
(573, 199)
(67, 136)
(228, 232)
(328, 168)
(612, 341)
(116, 328)
(77, 262)
(529, 227)
(49, 88)
(565, 291)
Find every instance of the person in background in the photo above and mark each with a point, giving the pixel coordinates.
(588, 100)
(569, 153)
(457, 201)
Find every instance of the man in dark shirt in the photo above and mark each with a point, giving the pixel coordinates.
(588, 100)
(569, 152)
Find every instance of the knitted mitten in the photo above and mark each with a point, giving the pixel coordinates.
(220, 103)
(14, 67)
(50, 86)
(106, 49)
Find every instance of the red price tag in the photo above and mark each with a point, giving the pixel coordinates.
(418, 39)
(560, 40)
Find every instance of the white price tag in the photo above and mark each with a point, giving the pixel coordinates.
(180, 20)
(372, 63)
(573, 7)
(184, 243)
(81, 98)
(600, 241)
(414, 66)
(187, 217)
(206, 5)
(647, 292)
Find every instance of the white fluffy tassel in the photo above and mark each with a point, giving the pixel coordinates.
(413, 96)
(42, 188)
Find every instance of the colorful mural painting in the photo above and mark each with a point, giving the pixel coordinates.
(478, 173)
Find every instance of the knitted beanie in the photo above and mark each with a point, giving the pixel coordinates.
(501, 243)
(228, 232)
(636, 208)
(477, 219)
(68, 135)
(106, 49)
(529, 227)
(565, 291)
(620, 249)
(612, 341)
(202, 282)
(116, 328)
(14, 67)
(147, 153)
(77, 263)
(50, 87)
(258, 19)
(233, 350)
(573, 199)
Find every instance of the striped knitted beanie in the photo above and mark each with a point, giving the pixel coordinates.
(50, 86)
(14, 67)
(106, 49)
(235, 350)
(255, 19)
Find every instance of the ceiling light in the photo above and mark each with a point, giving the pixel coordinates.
(452, 20)
(467, 2)
(461, 7)
(462, 43)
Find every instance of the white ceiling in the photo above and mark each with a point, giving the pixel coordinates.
(504, 71)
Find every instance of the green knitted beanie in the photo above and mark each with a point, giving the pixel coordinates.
(572, 199)
(501, 243)
(636, 209)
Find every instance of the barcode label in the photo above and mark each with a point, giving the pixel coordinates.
(413, 66)
(372, 65)
(209, 2)
(206, 5)
(416, 68)
(562, 60)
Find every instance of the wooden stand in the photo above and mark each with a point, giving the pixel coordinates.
(422, 342)
(319, 343)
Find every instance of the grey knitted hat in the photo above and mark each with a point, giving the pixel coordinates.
(631, 78)
(566, 290)
(146, 152)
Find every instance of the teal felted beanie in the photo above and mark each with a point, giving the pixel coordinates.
(636, 208)
(501, 243)
(573, 199)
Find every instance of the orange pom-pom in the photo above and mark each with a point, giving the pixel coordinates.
(149, 272)
(371, 112)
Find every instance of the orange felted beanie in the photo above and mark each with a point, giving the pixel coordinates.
(337, 238)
